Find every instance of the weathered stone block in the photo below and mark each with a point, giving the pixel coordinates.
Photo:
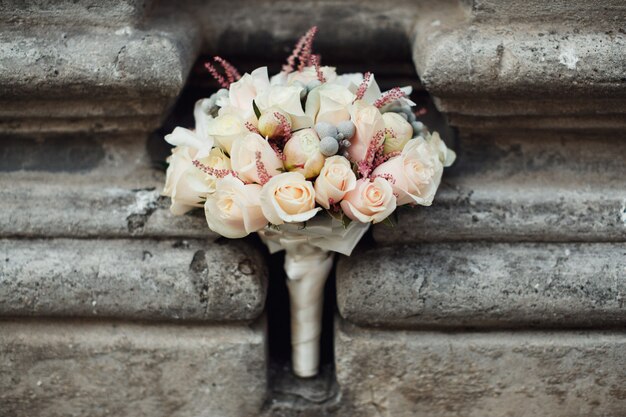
(71, 13)
(492, 67)
(75, 368)
(485, 285)
(92, 80)
(67, 186)
(495, 374)
(520, 187)
(132, 279)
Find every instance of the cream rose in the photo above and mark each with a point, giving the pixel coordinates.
(368, 122)
(334, 181)
(370, 201)
(243, 158)
(329, 103)
(225, 128)
(234, 209)
(416, 172)
(217, 159)
(402, 132)
(185, 184)
(288, 198)
(446, 155)
(287, 99)
(302, 153)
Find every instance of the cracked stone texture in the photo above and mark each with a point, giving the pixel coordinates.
(120, 369)
(493, 374)
(523, 187)
(485, 285)
(132, 279)
(102, 187)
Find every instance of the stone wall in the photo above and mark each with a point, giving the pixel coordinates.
(506, 297)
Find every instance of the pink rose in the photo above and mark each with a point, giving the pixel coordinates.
(416, 172)
(370, 201)
(334, 181)
(243, 158)
(368, 121)
(234, 209)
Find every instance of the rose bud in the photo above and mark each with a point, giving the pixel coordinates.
(303, 154)
(269, 124)
(401, 129)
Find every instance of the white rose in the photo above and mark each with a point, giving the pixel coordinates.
(185, 184)
(234, 209)
(334, 181)
(402, 130)
(201, 144)
(225, 128)
(287, 99)
(242, 92)
(309, 74)
(329, 103)
(446, 155)
(370, 201)
(288, 198)
(243, 158)
(416, 172)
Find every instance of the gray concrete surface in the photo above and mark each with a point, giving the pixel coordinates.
(75, 368)
(485, 285)
(491, 374)
(132, 279)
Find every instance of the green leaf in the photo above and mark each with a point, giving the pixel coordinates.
(345, 220)
(303, 226)
(257, 112)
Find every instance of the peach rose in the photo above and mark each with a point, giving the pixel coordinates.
(243, 157)
(368, 122)
(416, 172)
(370, 201)
(234, 209)
(288, 198)
(185, 184)
(302, 153)
(329, 103)
(334, 181)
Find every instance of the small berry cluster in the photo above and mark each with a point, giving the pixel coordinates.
(335, 139)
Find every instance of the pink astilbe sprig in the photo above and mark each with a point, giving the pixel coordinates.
(277, 151)
(219, 173)
(252, 128)
(231, 72)
(315, 59)
(363, 86)
(302, 52)
(284, 125)
(366, 166)
(387, 177)
(382, 158)
(264, 177)
(390, 96)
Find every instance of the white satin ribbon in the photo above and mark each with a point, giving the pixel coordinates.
(308, 262)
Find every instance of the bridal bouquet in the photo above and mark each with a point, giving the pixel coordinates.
(308, 159)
